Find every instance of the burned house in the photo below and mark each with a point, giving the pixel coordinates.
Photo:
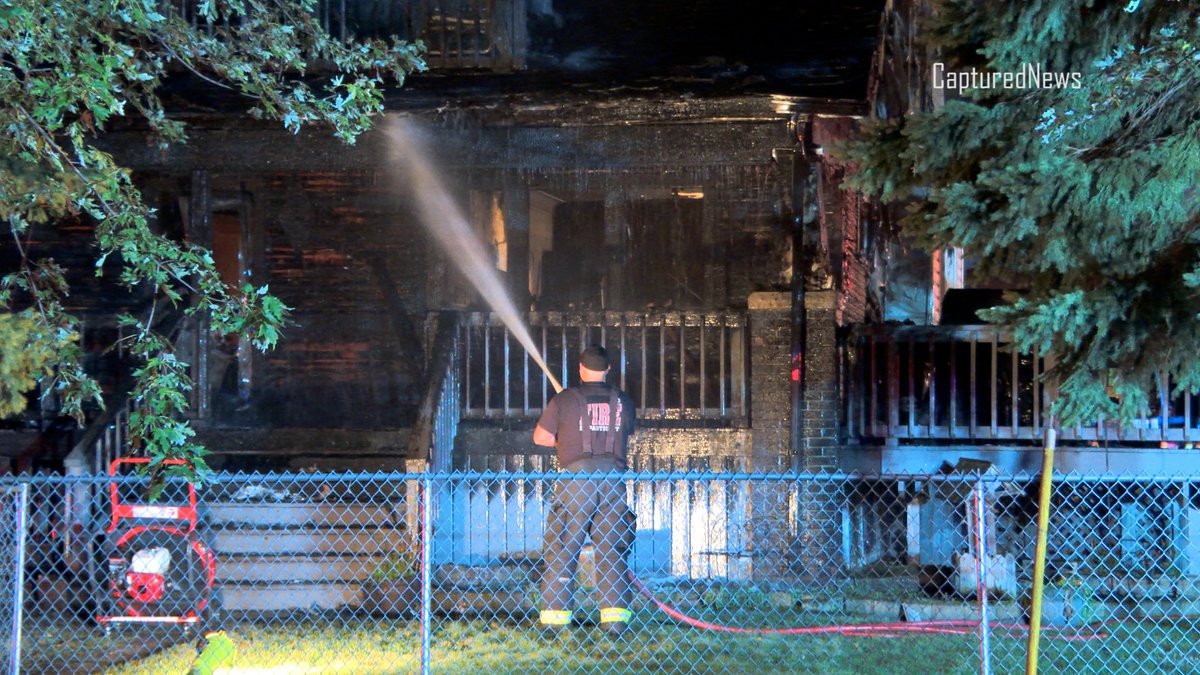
(668, 203)
(635, 183)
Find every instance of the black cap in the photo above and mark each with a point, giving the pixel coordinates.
(595, 358)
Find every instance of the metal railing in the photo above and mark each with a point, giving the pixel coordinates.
(432, 436)
(830, 573)
(967, 383)
(676, 366)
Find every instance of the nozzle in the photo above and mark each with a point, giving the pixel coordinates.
(217, 651)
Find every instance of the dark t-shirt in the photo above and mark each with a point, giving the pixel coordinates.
(564, 418)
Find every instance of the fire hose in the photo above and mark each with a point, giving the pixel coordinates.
(887, 629)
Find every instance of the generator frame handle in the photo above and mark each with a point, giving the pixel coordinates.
(149, 511)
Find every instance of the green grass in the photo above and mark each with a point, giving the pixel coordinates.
(365, 647)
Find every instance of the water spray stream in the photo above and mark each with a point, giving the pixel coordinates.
(442, 217)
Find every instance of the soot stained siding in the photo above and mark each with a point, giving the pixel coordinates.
(356, 276)
(755, 216)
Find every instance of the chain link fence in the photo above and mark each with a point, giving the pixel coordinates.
(514, 573)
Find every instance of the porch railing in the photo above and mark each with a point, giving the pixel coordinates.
(432, 437)
(967, 383)
(675, 365)
(465, 34)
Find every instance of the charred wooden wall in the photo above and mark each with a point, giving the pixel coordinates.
(353, 270)
(327, 229)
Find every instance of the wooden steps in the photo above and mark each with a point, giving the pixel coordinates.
(278, 556)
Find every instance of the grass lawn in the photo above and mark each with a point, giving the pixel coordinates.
(365, 647)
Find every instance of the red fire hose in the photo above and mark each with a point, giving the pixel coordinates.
(890, 629)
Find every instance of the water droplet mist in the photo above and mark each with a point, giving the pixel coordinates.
(443, 219)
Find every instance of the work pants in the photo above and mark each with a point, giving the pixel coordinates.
(583, 506)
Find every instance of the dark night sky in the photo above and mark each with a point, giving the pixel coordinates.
(704, 46)
(826, 43)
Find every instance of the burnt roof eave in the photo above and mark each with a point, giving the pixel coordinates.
(527, 99)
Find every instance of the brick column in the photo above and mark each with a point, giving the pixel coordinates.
(816, 550)
(770, 527)
(821, 407)
(770, 387)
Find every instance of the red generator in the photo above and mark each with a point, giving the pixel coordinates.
(159, 571)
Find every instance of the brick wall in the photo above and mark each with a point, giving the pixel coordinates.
(856, 268)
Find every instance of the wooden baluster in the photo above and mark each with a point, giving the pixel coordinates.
(525, 382)
(721, 364)
(662, 368)
(932, 387)
(874, 391)
(893, 381)
(683, 375)
(645, 405)
(563, 344)
(1037, 397)
(507, 374)
(1163, 402)
(912, 391)
(995, 375)
(1187, 415)
(974, 404)
(953, 387)
(467, 368)
(703, 358)
(1014, 391)
(545, 355)
(487, 366)
(623, 359)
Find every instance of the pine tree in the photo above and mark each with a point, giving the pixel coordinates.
(68, 69)
(1082, 194)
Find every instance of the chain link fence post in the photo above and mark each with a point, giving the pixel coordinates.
(426, 586)
(981, 573)
(14, 517)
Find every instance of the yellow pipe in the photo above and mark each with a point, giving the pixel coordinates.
(1039, 558)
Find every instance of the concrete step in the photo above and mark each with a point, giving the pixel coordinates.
(305, 596)
(300, 449)
(305, 514)
(340, 541)
(313, 442)
(319, 569)
(282, 597)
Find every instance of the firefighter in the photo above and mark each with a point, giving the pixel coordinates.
(589, 426)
